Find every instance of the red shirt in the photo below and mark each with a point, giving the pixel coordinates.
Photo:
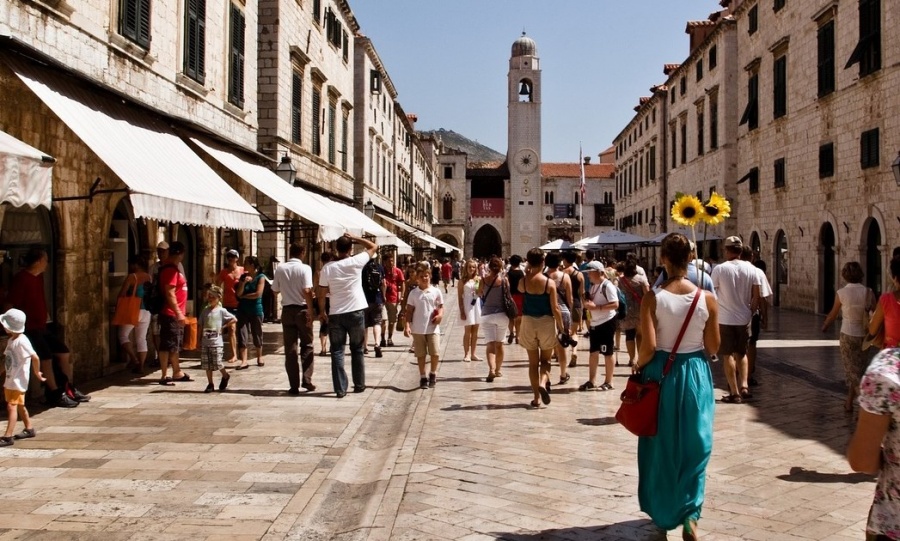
(446, 271)
(169, 276)
(26, 292)
(393, 282)
(228, 279)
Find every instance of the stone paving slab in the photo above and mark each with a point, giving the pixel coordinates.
(466, 460)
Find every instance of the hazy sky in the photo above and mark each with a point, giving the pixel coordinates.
(448, 60)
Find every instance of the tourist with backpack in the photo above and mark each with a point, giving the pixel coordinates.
(171, 284)
(373, 287)
(632, 288)
(603, 303)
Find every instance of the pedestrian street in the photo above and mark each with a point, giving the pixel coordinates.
(466, 460)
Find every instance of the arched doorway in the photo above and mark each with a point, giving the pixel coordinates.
(781, 265)
(487, 242)
(441, 253)
(872, 257)
(828, 265)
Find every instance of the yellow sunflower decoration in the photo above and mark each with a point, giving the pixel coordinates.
(715, 210)
(687, 210)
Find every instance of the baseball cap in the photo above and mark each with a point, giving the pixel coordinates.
(232, 253)
(162, 246)
(593, 266)
(734, 242)
(13, 321)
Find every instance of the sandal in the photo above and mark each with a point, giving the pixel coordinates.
(565, 379)
(184, 377)
(535, 404)
(166, 381)
(731, 399)
(260, 364)
(490, 377)
(545, 394)
(224, 383)
(606, 387)
(210, 388)
(745, 393)
(242, 367)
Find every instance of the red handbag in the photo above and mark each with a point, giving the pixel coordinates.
(639, 412)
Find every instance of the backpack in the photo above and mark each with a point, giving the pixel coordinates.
(154, 298)
(373, 278)
(622, 310)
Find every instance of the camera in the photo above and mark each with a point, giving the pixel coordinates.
(565, 340)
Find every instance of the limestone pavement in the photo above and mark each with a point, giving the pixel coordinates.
(466, 460)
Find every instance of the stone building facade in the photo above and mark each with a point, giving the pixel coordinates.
(806, 117)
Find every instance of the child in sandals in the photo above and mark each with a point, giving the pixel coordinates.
(213, 319)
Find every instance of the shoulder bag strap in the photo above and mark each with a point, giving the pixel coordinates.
(684, 325)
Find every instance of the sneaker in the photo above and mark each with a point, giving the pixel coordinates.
(293, 391)
(65, 402)
(423, 383)
(432, 379)
(308, 386)
(378, 353)
(81, 397)
(6, 442)
(25, 434)
(383, 343)
(587, 386)
(210, 388)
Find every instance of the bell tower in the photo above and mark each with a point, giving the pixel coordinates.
(524, 147)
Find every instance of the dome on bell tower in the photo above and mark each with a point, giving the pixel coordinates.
(524, 46)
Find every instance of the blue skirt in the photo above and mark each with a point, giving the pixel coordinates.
(672, 464)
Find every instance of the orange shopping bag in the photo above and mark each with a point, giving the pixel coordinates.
(190, 334)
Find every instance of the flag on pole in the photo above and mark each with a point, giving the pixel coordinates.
(581, 163)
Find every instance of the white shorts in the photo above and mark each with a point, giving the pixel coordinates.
(494, 327)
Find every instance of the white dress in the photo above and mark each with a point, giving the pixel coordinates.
(473, 310)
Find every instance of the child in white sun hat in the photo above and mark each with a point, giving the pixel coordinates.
(18, 355)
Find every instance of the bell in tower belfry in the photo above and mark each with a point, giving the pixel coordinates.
(524, 91)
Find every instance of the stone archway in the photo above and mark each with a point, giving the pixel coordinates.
(873, 265)
(441, 253)
(828, 267)
(487, 243)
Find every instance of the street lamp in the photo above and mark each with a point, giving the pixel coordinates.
(286, 170)
(652, 225)
(369, 209)
(895, 167)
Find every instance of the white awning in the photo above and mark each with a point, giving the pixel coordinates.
(356, 219)
(297, 200)
(25, 174)
(435, 242)
(166, 180)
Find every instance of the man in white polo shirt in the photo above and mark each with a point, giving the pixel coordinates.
(737, 290)
(293, 279)
(342, 279)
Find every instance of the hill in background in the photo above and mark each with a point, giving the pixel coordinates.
(475, 150)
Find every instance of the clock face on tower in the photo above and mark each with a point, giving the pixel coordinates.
(526, 161)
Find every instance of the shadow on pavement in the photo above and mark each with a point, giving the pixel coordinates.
(630, 530)
(599, 421)
(483, 407)
(801, 475)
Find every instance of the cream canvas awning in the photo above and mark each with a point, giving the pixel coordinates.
(166, 180)
(357, 220)
(297, 200)
(433, 241)
(25, 174)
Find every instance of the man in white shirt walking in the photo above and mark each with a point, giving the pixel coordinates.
(293, 279)
(342, 279)
(737, 287)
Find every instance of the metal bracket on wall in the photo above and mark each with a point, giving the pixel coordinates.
(93, 191)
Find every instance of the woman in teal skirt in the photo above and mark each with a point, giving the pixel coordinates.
(672, 464)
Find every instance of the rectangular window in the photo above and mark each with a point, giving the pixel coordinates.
(826, 160)
(778, 5)
(751, 112)
(672, 95)
(700, 128)
(345, 135)
(134, 21)
(753, 20)
(345, 45)
(713, 121)
(779, 75)
(700, 69)
(195, 40)
(682, 86)
(683, 142)
(374, 81)
(316, 9)
(867, 52)
(296, 108)
(236, 67)
(826, 58)
(753, 180)
(713, 58)
(652, 163)
(674, 160)
(779, 173)
(316, 120)
(868, 149)
(332, 135)
(448, 171)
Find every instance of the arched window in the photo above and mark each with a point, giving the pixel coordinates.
(448, 207)
(525, 90)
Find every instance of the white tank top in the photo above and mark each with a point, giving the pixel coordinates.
(670, 312)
